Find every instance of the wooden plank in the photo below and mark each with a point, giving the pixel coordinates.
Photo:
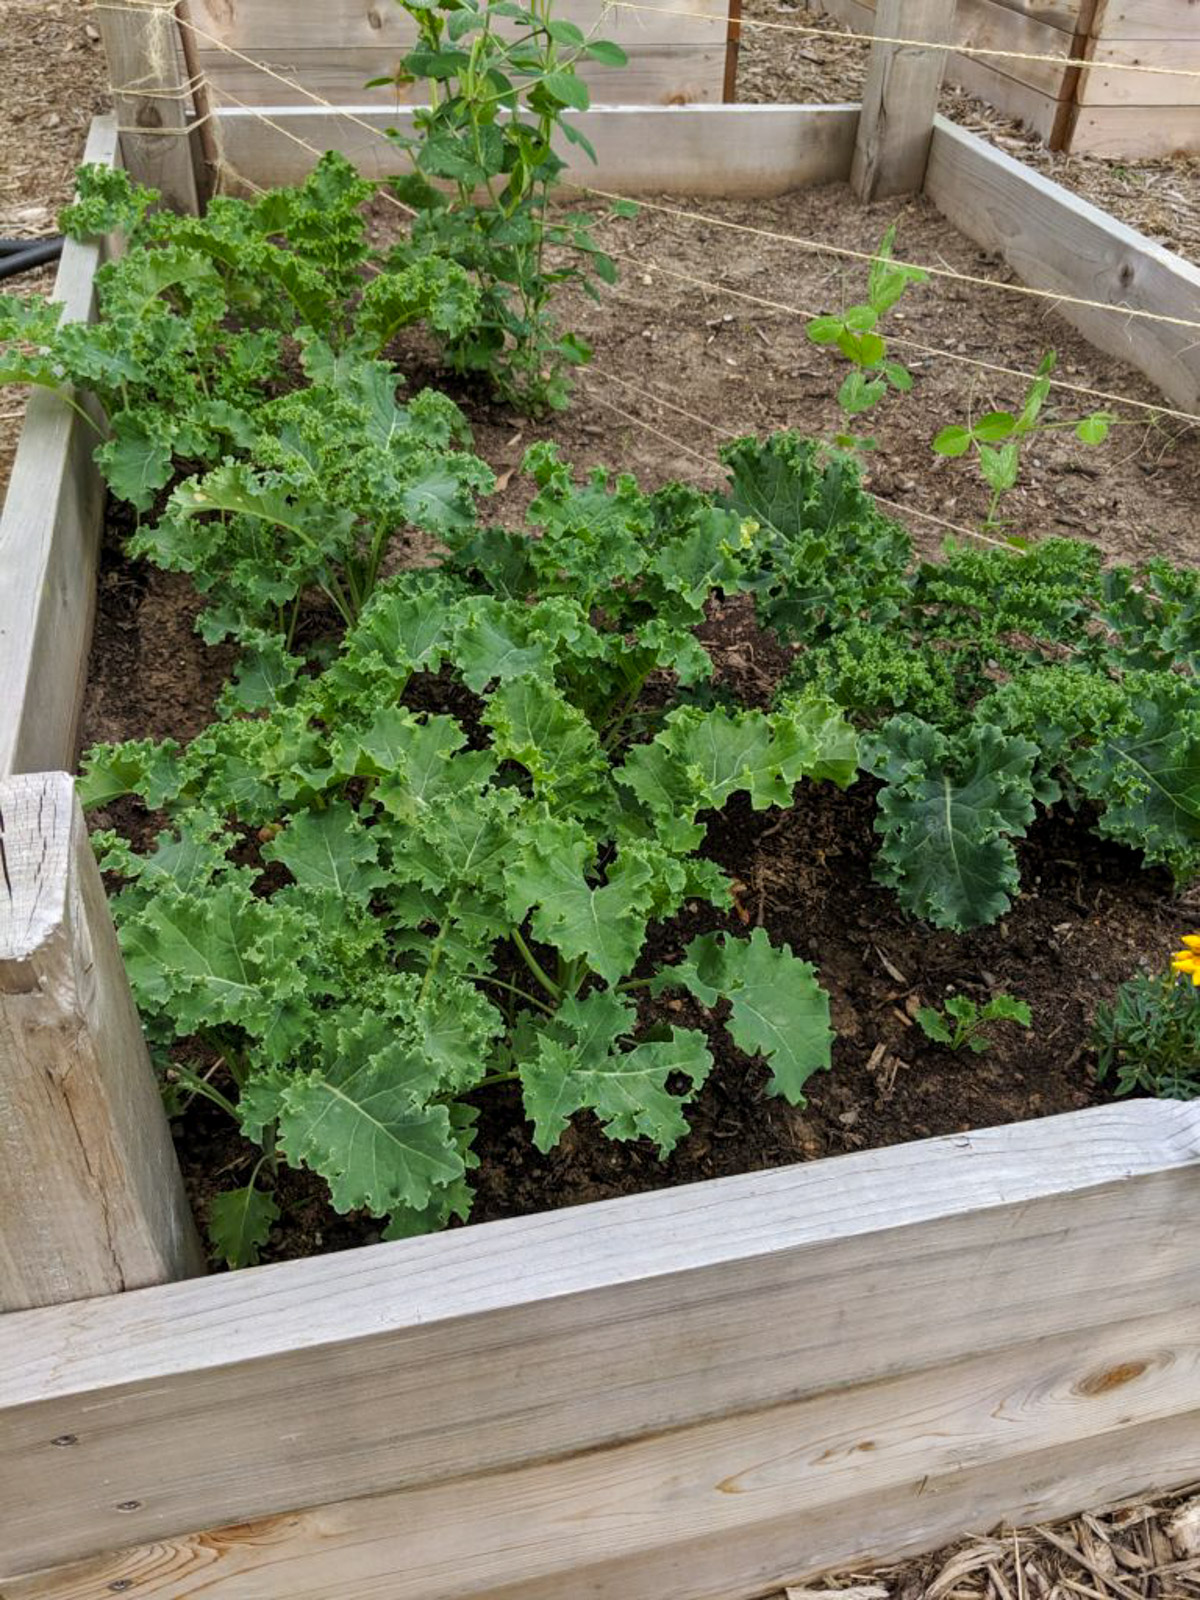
(1129, 133)
(49, 539)
(381, 25)
(333, 50)
(900, 99)
(507, 1345)
(1116, 88)
(1147, 19)
(733, 1507)
(987, 25)
(1037, 110)
(695, 150)
(1060, 14)
(90, 1191)
(1056, 241)
(664, 73)
(144, 68)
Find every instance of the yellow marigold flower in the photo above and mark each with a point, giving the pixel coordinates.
(1186, 962)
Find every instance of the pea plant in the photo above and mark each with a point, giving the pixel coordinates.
(855, 333)
(998, 438)
(503, 78)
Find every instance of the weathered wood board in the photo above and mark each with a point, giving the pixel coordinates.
(627, 1343)
(1058, 242)
(49, 538)
(90, 1192)
(333, 49)
(697, 150)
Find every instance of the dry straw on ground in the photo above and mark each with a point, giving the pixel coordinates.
(1139, 1551)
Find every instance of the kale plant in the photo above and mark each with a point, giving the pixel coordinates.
(503, 81)
(236, 358)
(433, 868)
(992, 682)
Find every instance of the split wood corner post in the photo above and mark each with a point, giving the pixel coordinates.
(91, 1195)
(153, 90)
(900, 97)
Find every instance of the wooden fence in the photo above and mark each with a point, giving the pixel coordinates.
(1123, 115)
(333, 49)
(679, 1396)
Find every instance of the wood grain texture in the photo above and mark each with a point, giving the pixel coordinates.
(1056, 241)
(660, 73)
(733, 1507)
(1037, 110)
(49, 539)
(1112, 87)
(90, 1191)
(900, 99)
(497, 1348)
(334, 48)
(1129, 133)
(1147, 19)
(149, 90)
(694, 150)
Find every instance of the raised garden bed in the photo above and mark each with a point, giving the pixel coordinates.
(667, 1396)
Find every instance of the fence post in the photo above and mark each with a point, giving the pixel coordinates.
(151, 91)
(900, 98)
(91, 1197)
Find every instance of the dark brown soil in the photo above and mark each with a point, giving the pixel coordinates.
(1088, 917)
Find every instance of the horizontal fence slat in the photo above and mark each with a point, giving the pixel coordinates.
(1126, 133)
(651, 1520)
(253, 25)
(698, 150)
(49, 542)
(1056, 241)
(1117, 88)
(496, 1348)
(659, 74)
(334, 49)
(1145, 19)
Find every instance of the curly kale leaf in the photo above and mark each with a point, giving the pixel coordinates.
(585, 1060)
(777, 1009)
(830, 556)
(240, 1223)
(948, 813)
(1145, 773)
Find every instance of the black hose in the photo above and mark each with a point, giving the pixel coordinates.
(32, 253)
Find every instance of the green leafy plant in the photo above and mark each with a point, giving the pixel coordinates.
(433, 868)
(1148, 1039)
(855, 333)
(503, 80)
(961, 1023)
(992, 682)
(236, 358)
(998, 438)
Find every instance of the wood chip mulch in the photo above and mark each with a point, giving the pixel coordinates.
(1138, 1551)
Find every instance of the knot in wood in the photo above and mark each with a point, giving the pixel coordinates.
(1098, 1383)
